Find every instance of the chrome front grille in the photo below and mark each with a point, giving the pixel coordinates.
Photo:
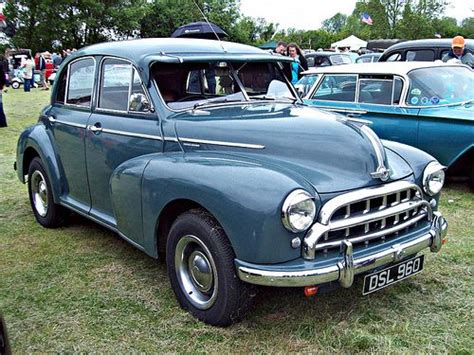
(366, 216)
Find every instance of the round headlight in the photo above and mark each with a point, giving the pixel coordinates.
(433, 178)
(298, 211)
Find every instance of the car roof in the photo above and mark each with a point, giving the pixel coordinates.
(428, 43)
(144, 51)
(398, 68)
(324, 54)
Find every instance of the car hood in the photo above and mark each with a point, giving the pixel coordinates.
(321, 147)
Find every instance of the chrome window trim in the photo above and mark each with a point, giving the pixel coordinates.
(99, 89)
(93, 82)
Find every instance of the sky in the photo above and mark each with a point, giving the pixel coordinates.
(308, 14)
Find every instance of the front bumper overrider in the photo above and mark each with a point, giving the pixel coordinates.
(347, 266)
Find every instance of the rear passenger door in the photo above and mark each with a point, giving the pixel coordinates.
(123, 125)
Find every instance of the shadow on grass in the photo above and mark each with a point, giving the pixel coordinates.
(331, 306)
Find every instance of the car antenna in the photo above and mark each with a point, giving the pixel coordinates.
(212, 29)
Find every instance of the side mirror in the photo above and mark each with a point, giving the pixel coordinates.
(139, 103)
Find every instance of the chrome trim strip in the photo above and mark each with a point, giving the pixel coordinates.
(220, 143)
(77, 125)
(346, 268)
(342, 110)
(321, 246)
(130, 134)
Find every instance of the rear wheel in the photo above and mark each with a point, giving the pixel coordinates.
(15, 85)
(201, 269)
(47, 213)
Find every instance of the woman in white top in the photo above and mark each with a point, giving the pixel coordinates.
(28, 72)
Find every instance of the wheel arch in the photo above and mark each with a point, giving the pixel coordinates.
(463, 160)
(167, 217)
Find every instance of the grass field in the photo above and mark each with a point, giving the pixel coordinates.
(82, 288)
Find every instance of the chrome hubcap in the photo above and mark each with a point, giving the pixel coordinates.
(39, 192)
(196, 272)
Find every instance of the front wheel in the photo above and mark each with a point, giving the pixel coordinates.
(201, 270)
(15, 85)
(47, 213)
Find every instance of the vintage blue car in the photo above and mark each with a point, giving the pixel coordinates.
(202, 152)
(427, 105)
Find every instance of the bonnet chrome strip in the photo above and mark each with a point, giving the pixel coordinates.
(77, 125)
(219, 143)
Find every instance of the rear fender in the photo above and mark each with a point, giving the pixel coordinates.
(36, 141)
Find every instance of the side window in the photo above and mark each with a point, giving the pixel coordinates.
(375, 91)
(138, 99)
(337, 88)
(397, 90)
(422, 55)
(81, 82)
(61, 93)
(310, 61)
(115, 83)
(395, 57)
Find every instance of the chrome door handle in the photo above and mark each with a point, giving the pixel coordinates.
(51, 119)
(95, 129)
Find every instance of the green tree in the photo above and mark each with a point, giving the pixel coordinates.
(414, 25)
(467, 27)
(335, 23)
(446, 27)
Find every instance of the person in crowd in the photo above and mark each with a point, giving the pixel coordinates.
(281, 48)
(57, 59)
(459, 52)
(42, 68)
(3, 118)
(28, 73)
(5, 65)
(299, 65)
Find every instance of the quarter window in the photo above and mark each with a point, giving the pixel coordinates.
(395, 57)
(337, 88)
(115, 84)
(375, 91)
(61, 92)
(81, 82)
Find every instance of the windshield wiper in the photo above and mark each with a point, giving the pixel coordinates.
(212, 102)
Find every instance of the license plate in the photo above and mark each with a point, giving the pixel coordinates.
(393, 274)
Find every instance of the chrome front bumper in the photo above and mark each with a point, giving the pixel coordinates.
(348, 266)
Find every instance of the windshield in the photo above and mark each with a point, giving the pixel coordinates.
(304, 85)
(440, 86)
(191, 85)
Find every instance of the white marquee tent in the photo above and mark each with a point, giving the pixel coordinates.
(352, 42)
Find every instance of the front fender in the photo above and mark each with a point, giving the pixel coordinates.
(416, 158)
(38, 138)
(244, 195)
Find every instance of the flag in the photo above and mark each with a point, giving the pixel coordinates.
(366, 18)
(3, 21)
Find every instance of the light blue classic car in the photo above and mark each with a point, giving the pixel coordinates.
(427, 105)
(201, 152)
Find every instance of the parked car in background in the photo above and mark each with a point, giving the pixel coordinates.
(368, 58)
(427, 105)
(201, 152)
(324, 59)
(421, 50)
